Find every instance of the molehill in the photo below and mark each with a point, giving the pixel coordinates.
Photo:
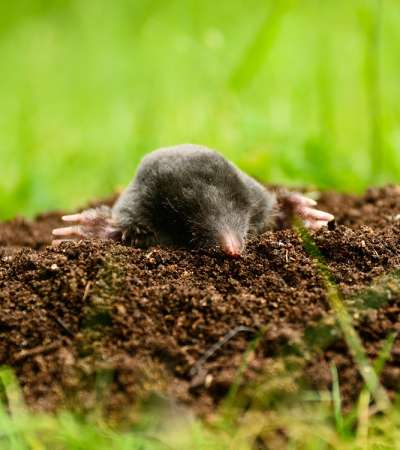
(85, 320)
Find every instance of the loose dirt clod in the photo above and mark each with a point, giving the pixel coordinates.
(88, 321)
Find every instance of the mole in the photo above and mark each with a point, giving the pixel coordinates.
(190, 196)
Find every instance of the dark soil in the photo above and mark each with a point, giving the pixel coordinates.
(85, 321)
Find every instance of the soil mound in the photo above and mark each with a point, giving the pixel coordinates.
(85, 320)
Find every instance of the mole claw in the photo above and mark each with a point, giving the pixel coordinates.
(301, 200)
(311, 213)
(72, 217)
(75, 230)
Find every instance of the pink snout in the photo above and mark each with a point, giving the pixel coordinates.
(231, 244)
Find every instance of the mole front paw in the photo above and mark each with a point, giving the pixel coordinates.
(303, 207)
(95, 223)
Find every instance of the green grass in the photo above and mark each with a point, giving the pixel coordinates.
(315, 422)
(299, 92)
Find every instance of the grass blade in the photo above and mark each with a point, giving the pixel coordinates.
(337, 400)
(353, 341)
(384, 353)
(257, 51)
(371, 18)
(363, 419)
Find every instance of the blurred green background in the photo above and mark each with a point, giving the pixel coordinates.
(296, 92)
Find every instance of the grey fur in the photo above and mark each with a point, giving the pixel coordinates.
(186, 196)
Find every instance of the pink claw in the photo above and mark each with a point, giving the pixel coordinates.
(312, 213)
(301, 200)
(75, 230)
(73, 217)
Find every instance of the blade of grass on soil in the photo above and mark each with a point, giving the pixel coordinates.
(357, 350)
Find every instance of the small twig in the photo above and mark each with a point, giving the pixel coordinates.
(36, 351)
(87, 289)
(62, 325)
(214, 348)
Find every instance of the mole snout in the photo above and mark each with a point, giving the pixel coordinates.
(231, 243)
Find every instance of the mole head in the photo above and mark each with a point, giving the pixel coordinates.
(222, 221)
